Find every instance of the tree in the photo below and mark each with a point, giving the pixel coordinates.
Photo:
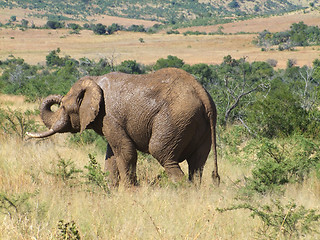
(74, 26)
(203, 72)
(171, 61)
(130, 66)
(24, 23)
(113, 28)
(237, 83)
(54, 24)
(136, 28)
(278, 114)
(99, 29)
(13, 18)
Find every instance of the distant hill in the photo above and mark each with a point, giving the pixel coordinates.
(165, 11)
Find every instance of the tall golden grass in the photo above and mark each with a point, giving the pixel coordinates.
(146, 212)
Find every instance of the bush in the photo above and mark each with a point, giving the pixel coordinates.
(233, 4)
(15, 205)
(289, 161)
(173, 32)
(89, 137)
(136, 28)
(281, 221)
(54, 24)
(16, 122)
(113, 28)
(68, 231)
(204, 73)
(65, 171)
(100, 29)
(130, 66)
(171, 61)
(279, 114)
(95, 176)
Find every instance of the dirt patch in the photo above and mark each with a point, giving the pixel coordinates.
(126, 22)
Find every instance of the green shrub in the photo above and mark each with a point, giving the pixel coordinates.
(95, 177)
(54, 24)
(290, 160)
(17, 123)
(279, 114)
(281, 221)
(66, 171)
(68, 231)
(173, 32)
(171, 61)
(15, 204)
(130, 66)
(89, 137)
(100, 29)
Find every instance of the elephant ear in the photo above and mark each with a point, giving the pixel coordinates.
(90, 103)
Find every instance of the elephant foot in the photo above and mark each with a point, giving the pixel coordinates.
(215, 178)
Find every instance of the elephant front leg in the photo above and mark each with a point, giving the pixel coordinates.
(124, 154)
(111, 167)
(126, 158)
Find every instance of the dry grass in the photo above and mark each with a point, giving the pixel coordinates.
(34, 45)
(272, 24)
(15, 102)
(146, 212)
(143, 213)
(5, 15)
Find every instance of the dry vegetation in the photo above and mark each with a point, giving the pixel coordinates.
(147, 212)
(5, 15)
(34, 45)
(272, 24)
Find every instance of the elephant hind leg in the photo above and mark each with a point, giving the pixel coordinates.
(167, 156)
(197, 160)
(174, 171)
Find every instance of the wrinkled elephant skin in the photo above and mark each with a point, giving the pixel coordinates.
(166, 113)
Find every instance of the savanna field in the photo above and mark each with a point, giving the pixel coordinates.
(47, 182)
(268, 141)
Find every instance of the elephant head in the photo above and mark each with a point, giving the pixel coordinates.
(76, 110)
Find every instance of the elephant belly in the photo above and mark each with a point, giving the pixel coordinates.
(140, 135)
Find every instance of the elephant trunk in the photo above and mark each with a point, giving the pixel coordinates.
(55, 121)
(47, 116)
(41, 135)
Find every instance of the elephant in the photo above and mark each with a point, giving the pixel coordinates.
(166, 113)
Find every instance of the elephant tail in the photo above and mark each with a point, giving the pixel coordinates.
(212, 115)
(211, 112)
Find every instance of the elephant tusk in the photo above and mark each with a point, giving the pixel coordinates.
(41, 135)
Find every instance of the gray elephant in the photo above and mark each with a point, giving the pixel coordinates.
(166, 113)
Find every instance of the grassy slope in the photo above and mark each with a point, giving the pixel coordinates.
(160, 10)
(272, 23)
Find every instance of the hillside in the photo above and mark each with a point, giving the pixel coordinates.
(168, 11)
(273, 23)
